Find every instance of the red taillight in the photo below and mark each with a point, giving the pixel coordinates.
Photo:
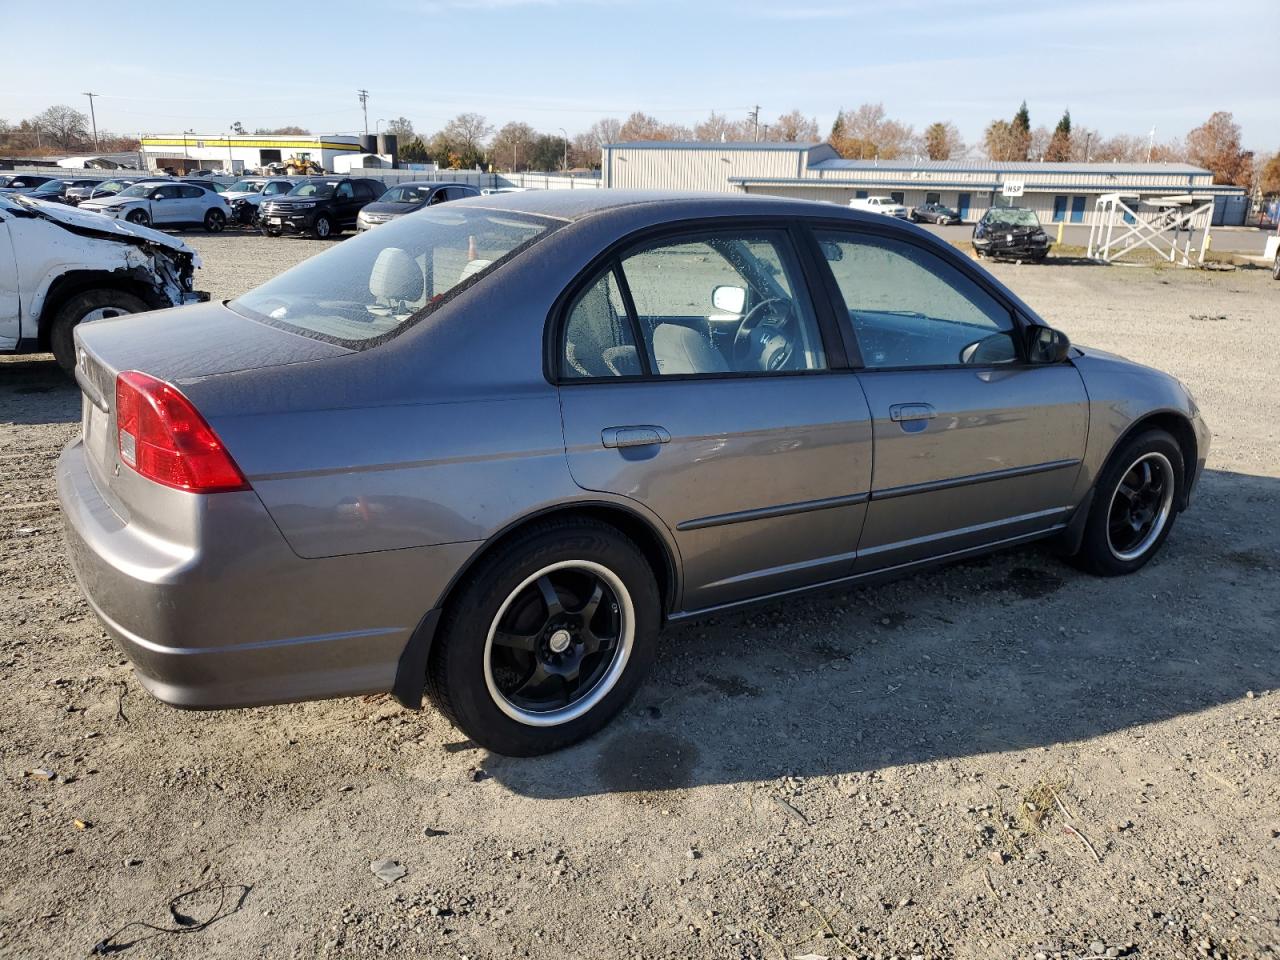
(162, 437)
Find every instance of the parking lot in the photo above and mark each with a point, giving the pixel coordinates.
(1003, 758)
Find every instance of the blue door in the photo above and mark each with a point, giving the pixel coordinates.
(962, 206)
(1059, 209)
(1077, 209)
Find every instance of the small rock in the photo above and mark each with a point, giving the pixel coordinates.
(1250, 694)
(904, 902)
(1097, 947)
(997, 857)
(433, 832)
(693, 854)
(387, 870)
(81, 824)
(132, 862)
(41, 774)
(1113, 951)
(478, 775)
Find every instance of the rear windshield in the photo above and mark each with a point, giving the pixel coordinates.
(375, 285)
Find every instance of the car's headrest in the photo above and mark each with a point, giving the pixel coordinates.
(396, 276)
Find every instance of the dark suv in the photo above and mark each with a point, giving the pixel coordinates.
(1013, 232)
(320, 206)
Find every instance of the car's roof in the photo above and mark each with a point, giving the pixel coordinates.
(579, 204)
(431, 183)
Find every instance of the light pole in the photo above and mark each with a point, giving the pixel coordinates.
(93, 117)
(566, 149)
(363, 96)
(231, 165)
(376, 123)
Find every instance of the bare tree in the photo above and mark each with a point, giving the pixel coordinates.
(460, 145)
(401, 127)
(718, 127)
(942, 141)
(1269, 176)
(1215, 145)
(795, 127)
(641, 126)
(868, 133)
(63, 126)
(513, 145)
(1002, 141)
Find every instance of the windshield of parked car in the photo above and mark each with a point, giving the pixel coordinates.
(1014, 217)
(406, 195)
(111, 186)
(49, 186)
(373, 286)
(318, 190)
(246, 186)
(138, 190)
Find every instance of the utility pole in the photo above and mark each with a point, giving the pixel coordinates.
(363, 96)
(1151, 144)
(566, 149)
(1087, 140)
(94, 117)
(754, 117)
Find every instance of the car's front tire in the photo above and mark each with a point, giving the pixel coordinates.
(322, 227)
(215, 221)
(89, 305)
(547, 639)
(1135, 503)
(139, 217)
(1275, 267)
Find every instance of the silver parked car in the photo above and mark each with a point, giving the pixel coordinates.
(490, 448)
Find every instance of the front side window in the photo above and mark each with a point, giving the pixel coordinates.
(910, 308)
(716, 303)
(345, 192)
(382, 282)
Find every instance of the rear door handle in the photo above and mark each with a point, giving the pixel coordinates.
(635, 436)
(901, 412)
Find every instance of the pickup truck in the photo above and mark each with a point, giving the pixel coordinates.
(886, 205)
(60, 266)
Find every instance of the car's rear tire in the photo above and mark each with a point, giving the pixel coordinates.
(322, 227)
(89, 305)
(547, 639)
(140, 217)
(1135, 503)
(1275, 267)
(215, 221)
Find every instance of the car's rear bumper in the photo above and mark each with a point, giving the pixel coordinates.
(235, 618)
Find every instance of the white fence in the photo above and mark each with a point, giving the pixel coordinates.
(481, 180)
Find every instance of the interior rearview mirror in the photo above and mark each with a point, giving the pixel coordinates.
(729, 299)
(831, 250)
(1047, 345)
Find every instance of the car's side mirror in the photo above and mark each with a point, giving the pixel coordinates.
(1047, 345)
(729, 299)
(157, 195)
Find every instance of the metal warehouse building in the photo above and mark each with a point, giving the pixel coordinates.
(234, 153)
(1058, 192)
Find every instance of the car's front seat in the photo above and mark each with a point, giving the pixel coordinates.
(396, 278)
(681, 350)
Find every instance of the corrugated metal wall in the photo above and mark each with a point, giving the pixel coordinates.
(680, 168)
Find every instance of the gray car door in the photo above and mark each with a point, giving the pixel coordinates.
(697, 379)
(973, 445)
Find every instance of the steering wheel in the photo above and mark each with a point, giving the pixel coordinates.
(771, 349)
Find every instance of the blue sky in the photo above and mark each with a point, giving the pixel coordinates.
(1122, 66)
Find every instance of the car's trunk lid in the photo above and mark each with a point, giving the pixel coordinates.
(180, 346)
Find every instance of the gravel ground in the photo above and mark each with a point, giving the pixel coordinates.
(1004, 758)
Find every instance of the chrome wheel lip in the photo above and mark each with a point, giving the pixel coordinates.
(1161, 518)
(606, 683)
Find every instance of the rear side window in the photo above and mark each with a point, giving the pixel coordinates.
(192, 193)
(599, 341)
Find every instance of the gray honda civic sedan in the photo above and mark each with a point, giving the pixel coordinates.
(484, 452)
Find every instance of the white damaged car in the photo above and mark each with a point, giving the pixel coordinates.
(60, 267)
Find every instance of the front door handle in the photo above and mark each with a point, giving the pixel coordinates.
(902, 412)
(635, 436)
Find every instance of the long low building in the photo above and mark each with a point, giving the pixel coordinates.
(233, 153)
(1058, 192)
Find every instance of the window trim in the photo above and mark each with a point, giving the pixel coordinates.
(611, 257)
(960, 264)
